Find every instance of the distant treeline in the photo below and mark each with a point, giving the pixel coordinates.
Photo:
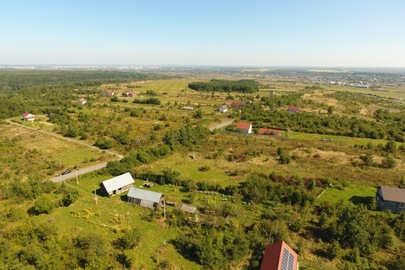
(17, 79)
(242, 86)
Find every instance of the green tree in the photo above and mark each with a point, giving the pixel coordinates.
(44, 204)
(368, 159)
(388, 162)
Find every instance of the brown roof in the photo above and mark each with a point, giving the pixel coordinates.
(279, 256)
(243, 125)
(269, 131)
(393, 194)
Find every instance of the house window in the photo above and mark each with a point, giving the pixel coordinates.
(402, 205)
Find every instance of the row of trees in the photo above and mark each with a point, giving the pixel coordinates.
(242, 86)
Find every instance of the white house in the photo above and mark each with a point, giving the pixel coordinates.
(28, 117)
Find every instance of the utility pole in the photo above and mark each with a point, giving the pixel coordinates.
(164, 208)
(95, 196)
(77, 177)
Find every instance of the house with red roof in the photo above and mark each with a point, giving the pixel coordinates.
(110, 93)
(244, 127)
(294, 109)
(268, 131)
(28, 117)
(279, 256)
(128, 93)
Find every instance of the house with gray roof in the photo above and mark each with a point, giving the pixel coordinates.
(145, 198)
(117, 184)
(391, 198)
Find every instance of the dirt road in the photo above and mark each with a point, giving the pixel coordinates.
(221, 125)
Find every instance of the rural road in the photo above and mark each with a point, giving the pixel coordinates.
(81, 171)
(221, 125)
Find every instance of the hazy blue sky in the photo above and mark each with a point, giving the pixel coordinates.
(204, 32)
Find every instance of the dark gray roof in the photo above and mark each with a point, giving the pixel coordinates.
(118, 182)
(393, 194)
(146, 195)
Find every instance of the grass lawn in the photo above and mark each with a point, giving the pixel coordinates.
(352, 192)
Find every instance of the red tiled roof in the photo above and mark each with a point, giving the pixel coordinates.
(269, 131)
(243, 125)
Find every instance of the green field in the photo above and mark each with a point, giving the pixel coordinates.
(348, 192)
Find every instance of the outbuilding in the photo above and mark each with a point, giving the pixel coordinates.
(117, 184)
(145, 198)
(391, 198)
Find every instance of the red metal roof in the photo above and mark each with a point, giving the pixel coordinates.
(268, 131)
(279, 254)
(243, 125)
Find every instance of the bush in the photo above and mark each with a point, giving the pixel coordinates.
(43, 205)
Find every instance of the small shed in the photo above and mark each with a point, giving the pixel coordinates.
(390, 198)
(145, 198)
(223, 109)
(82, 101)
(117, 184)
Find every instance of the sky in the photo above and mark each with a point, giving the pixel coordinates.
(319, 33)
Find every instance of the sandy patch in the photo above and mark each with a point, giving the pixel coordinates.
(320, 98)
(337, 158)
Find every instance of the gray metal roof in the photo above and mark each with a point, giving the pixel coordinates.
(118, 182)
(145, 194)
(393, 194)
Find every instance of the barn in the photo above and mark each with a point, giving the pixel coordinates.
(145, 198)
(117, 184)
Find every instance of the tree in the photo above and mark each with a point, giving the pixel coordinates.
(129, 240)
(367, 158)
(390, 147)
(44, 204)
(388, 162)
(198, 114)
